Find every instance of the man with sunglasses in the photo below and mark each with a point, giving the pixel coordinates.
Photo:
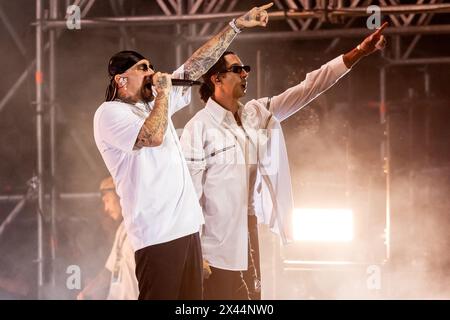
(237, 158)
(138, 142)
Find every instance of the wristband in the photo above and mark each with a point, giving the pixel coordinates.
(234, 27)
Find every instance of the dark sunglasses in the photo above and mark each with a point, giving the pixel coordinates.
(237, 69)
(145, 68)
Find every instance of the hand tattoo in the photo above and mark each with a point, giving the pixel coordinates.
(162, 82)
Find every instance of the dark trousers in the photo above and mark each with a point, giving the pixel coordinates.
(170, 270)
(237, 285)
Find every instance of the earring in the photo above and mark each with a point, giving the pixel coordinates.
(123, 82)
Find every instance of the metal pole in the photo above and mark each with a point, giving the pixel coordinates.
(427, 132)
(17, 40)
(419, 61)
(32, 185)
(178, 47)
(52, 94)
(331, 34)
(222, 17)
(397, 47)
(411, 166)
(385, 120)
(192, 8)
(125, 40)
(39, 141)
(192, 27)
(384, 117)
(17, 85)
(258, 75)
(62, 196)
(32, 65)
(12, 215)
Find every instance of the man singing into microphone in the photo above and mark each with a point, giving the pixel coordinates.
(136, 138)
(238, 162)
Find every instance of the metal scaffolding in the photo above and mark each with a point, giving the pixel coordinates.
(304, 19)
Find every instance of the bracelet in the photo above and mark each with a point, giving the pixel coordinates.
(234, 27)
(359, 48)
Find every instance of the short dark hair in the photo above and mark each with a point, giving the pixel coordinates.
(207, 88)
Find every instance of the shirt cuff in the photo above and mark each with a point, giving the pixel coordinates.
(338, 66)
(179, 73)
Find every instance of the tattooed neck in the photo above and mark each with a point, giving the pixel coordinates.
(128, 100)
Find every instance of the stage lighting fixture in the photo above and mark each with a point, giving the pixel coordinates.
(323, 225)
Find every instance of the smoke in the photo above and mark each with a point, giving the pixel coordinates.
(331, 168)
(334, 147)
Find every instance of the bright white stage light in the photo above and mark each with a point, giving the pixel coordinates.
(323, 225)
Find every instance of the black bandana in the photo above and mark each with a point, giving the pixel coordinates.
(122, 61)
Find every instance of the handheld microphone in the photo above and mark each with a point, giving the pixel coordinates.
(182, 82)
(185, 83)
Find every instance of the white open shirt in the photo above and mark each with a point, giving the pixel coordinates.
(220, 173)
(158, 199)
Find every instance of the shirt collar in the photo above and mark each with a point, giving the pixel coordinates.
(218, 112)
(140, 105)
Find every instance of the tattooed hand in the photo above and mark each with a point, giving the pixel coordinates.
(205, 57)
(255, 17)
(162, 83)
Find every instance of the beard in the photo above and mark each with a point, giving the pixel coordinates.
(146, 89)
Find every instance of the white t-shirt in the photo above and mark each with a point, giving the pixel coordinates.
(158, 199)
(123, 285)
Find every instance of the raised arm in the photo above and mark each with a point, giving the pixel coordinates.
(320, 80)
(316, 82)
(205, 57)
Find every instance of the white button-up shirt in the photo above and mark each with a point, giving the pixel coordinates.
(158, 199)
(219, 164)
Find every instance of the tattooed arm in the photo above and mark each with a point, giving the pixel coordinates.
(205, 57)
(153, 130)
